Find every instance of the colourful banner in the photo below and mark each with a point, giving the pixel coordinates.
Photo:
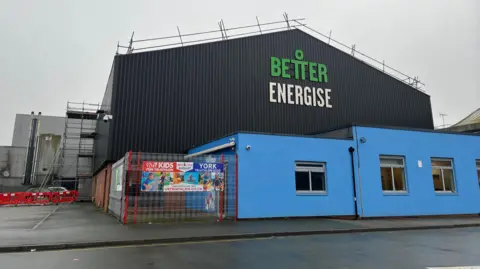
(181, 176)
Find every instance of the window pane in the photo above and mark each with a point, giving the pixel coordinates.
(386, 174)
(437, 180)
(399, 179)
(318, 181)
(438, 162)
(391, 161)
(302, 181)
(448, 178)
(478, 164)
(478, 175)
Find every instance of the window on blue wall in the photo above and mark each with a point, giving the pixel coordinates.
(443, 176)
(392, 172)
(310, 177)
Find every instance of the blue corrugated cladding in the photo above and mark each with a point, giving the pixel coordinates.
(174, 99)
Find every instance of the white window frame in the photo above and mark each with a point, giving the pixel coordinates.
(319, 167)
(441, 173)
(391, 166)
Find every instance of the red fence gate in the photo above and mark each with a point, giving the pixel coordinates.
(148, 187)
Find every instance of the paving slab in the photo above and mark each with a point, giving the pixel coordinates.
(22, 217)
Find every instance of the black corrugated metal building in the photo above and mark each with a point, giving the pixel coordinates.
(174, 99)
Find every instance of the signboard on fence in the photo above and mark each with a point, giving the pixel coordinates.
(182, 176)
(119, 178)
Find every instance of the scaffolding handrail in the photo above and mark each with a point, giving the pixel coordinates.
(363, 54)
(290, 24)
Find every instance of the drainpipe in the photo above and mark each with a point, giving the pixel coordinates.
(36, 145)
(351, 150)
(30, 151)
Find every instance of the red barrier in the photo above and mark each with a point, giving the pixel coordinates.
(68, 197)
(38, 198)
(55, 198)
(18, 198)
(5, 198)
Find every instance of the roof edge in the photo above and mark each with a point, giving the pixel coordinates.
(464, 119)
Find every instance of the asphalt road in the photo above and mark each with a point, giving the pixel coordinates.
(412, 249)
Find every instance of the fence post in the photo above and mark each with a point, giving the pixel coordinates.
(127, 179)
(221, 191)
(139, 173)
(236, 187)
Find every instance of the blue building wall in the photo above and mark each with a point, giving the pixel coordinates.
(420, 199)
(267, 176)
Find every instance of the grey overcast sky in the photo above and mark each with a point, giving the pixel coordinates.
(58, 50)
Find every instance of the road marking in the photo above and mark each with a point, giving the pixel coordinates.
(45, 218)
(455, 267)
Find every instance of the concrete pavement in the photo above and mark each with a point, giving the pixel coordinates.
(81, 225)
(395, 250)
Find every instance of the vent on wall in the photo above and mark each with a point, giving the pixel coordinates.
(5, 173)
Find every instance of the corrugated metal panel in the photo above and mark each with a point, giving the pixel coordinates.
(173, 99)
(473, 118)
(103, 128)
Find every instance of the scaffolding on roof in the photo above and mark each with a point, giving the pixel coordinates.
(224, 33)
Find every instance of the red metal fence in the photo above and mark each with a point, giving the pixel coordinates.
(37, 198)
(148, 187)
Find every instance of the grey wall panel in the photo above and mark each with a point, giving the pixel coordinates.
(48, 125)
(48, 146)
(170, 100)
(13, 160)
(51, 126)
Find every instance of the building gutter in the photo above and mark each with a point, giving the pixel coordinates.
(352, 150)
(210, 150)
